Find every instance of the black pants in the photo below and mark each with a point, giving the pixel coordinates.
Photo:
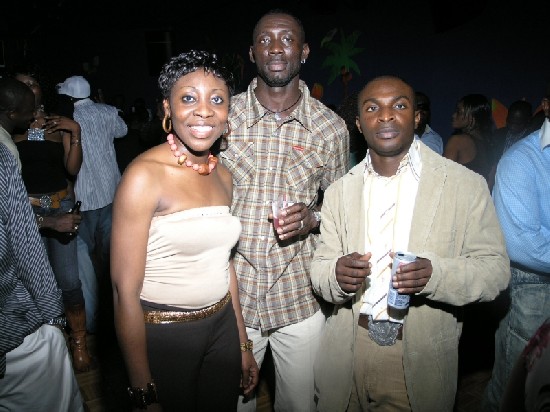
(196, 365)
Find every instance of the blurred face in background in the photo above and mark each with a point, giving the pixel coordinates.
(546, 107)
(23, 116)
(33, 85)
(460, 120)
(516, 121)
(423, 114)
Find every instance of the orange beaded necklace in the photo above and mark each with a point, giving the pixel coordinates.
(203, 168)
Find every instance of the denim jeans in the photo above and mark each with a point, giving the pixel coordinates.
(529, 307)
(62, 254)
(95, 231)
(90, 287)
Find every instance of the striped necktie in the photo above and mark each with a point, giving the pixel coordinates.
(381, 254)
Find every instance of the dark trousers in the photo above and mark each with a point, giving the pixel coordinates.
(196, 365)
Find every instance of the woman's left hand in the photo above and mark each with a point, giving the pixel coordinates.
(250, 373)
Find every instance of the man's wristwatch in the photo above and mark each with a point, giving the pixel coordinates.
(317, 216)
(60, 321)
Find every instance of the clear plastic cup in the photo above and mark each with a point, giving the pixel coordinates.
(277, 206)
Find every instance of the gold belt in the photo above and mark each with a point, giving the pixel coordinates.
(52, 201)
(162, 317)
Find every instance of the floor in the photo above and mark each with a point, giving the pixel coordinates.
(104, 388)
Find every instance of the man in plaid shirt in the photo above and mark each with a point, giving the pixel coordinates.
(282, 142)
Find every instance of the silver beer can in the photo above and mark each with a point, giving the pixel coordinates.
(397, 300)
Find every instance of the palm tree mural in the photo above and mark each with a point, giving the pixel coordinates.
(340, 61)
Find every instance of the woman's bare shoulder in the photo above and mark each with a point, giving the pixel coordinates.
(147, 168)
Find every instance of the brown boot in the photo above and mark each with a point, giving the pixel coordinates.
(76, 318)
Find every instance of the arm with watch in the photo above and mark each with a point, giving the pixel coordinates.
(63, 223)
(299, 220)
(317, 216)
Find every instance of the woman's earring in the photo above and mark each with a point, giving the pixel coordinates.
(167, 124)
(223, 138)
(227, 130)
(303, 61)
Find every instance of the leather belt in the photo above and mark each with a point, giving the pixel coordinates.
(51, 201)
(364, 323)
(163, 317)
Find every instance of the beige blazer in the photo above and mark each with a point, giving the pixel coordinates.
(454, 225)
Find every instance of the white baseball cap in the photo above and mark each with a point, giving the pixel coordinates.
(75, 86)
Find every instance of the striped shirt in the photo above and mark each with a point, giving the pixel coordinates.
(301, 155)
(5, 138)
(29, 295)
(99, 174)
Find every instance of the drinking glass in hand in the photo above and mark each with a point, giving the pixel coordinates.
(277, 206)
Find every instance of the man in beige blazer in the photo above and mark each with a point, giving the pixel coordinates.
(372, 356)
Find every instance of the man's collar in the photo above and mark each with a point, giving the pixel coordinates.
(255, 111)
(82, 101)
(411, 158)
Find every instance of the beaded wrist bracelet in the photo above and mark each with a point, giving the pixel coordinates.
(247, 346)
(140, 397)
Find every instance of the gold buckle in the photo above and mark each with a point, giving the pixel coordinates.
(46, 201)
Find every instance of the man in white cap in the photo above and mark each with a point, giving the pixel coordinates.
(97, 180)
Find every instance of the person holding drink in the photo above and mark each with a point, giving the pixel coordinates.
(403, 197)
(277, 208)
(283, 141)
(51, 156)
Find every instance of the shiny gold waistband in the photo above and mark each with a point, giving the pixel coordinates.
(163, 317)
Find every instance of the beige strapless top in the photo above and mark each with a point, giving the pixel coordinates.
(188, 257)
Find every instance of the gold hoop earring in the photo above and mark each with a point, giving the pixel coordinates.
(226, 131)
(166, 128)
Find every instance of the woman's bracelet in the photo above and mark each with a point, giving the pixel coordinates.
(141, 398)
(247, 346)
(39, 221)
(75, 142)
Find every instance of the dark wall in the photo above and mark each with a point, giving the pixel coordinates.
(445, 50)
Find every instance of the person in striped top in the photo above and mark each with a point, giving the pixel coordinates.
(35, 368)
(95, 186)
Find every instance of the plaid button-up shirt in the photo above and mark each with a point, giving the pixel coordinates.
(298, 156)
